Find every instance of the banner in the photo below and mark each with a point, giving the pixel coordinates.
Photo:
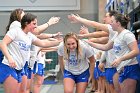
(109, 4)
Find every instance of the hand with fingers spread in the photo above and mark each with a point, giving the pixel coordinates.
(60, 39)
(83, 30)
(58, 34)
(74, 18)
(53, 20)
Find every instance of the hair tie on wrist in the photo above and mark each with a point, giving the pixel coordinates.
(48, 24)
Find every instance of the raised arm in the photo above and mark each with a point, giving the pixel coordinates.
(43, 27)
(101, 40)
(84, 33)
(77, 18)
(46, 35)
(103, 47)
(46, 43)
(50, 49)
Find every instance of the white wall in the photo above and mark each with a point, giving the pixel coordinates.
(88, 9)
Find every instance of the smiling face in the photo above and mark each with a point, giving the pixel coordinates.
(71, 44)
(33, 25)
(29, 22)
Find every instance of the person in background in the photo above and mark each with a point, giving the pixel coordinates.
(39, 73)
(138, 59)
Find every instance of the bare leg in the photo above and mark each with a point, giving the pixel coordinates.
(37, 83)
(102, 84)
(128, 86)
(23, 85)
(93, 85)
(116, 83)
(11, 85)
(68, 82)
(28, 86)
(81, 87)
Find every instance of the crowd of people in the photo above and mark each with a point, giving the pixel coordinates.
(106, 58)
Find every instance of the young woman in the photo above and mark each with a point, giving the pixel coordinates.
(16, 49)
(126, 49)
(40, 65)
(16, 15)
(74, 58)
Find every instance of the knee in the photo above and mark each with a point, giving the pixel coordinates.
(39, 83)
(68, 91)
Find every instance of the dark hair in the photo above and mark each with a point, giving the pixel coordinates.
(112, 12)
(123, 19)
(27, 18)
(14, 16)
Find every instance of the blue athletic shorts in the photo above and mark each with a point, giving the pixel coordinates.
(1, 56)
(6, 71)
(35, 67)
(97, 72)
(77, 78)
(109, 73)
(40, 69)
(132, 72)
(25, 69)
(30, 71)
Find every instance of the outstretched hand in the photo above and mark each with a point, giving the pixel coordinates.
(74, 18)
(83, 30)
(88, 41)
(53, 20)
(58, 34)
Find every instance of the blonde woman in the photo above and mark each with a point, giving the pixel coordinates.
(76, 69)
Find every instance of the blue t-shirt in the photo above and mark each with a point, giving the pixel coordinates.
(138, 56)
(1, 56)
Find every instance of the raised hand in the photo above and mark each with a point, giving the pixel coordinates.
(74, 18)
(53, 20)
(58, 34)
(83, 30)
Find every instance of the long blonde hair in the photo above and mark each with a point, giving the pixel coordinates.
(78, 49)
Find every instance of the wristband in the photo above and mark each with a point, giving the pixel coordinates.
(48, 24)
